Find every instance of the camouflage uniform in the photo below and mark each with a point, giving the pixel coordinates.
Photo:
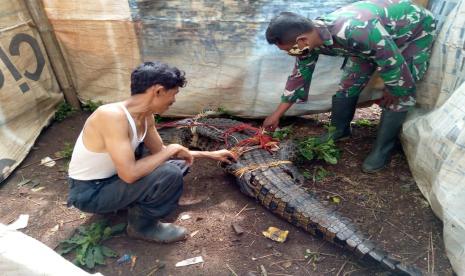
(392, 36)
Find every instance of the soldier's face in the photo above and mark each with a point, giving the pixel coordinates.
(297, 52)
(299, 48)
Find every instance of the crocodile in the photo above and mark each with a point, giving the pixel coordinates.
(279, 188)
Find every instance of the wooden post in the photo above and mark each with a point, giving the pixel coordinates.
(53, 50)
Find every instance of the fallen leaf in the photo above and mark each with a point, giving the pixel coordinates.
(335, 199)
(287, 264)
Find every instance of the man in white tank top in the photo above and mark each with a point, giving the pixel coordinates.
(104, 174)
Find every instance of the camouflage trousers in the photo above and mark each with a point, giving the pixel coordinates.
(416, 54)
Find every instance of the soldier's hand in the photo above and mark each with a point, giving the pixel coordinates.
(271, 122)
(388, 99)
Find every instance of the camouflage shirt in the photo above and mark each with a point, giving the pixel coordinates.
(373, 31)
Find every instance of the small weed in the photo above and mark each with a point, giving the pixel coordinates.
(312, 257)
(91, 106)
(86, 244)
(64, 111)
(306, 174)
(363, 123)
(158, 119)
(320, 173)
(66, 152)
(282, 133)
(224, 112)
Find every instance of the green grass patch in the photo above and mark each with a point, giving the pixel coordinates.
(363, 123)
(64, 111)
(66, 152)
(91, 106)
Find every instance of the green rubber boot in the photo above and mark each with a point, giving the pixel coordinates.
(343, 110)
(388, 129)
(145, 228)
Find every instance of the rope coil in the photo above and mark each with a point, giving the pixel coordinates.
(253, 167)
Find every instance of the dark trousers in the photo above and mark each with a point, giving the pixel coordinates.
(157, 194)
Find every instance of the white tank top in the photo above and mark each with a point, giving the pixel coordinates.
(88, 165)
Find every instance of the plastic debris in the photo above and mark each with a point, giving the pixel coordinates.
(276, 234)
(194, 233)
(47, 161)
(185, 217)
(20, 223)
(126, 258)
(190, 261)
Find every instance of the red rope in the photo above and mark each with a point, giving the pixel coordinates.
(265, 141)
(259, 137)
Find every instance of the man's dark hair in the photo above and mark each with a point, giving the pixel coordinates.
(152, 73)
(286, 27)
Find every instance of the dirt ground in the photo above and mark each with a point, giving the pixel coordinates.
(387, 206)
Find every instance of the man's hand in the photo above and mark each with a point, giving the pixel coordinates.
(223, 155)
(271, 122)
(180, 152)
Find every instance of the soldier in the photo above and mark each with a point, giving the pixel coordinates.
(393, 37)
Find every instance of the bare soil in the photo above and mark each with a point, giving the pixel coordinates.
(387, 205)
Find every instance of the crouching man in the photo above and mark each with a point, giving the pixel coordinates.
(104, 175)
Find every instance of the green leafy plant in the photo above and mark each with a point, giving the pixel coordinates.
(64, 111)
(86, 244)
(282, 133)
(157, 118)
(91, 106)
(363, 123)
(312, 148)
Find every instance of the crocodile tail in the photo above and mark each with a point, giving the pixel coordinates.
(370, 254)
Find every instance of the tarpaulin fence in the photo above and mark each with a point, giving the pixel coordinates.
(28, 89)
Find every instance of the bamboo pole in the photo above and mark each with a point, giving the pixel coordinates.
(53, 50)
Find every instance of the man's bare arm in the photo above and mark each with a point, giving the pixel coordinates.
(220, 155)
(114, 129)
